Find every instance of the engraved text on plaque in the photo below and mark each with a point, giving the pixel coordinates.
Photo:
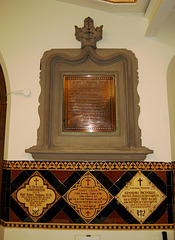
(89, 103)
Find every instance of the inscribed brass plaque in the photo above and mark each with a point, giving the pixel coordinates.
(36, 196)
(88, 197)
(140, 197)
(89, 103)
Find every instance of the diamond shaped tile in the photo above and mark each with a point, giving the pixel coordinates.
(36, 196)
(140, 197)
(88, 197)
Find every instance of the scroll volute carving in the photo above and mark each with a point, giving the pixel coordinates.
(89, 103)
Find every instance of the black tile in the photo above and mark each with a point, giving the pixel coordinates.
(43, 172)
(62, 189)
(104, 180)
(170, 213)
(164, 189)
(170, 194)
(133, 173)
(6, 197)
(30, 172)
(114, 204)
(164, 203)
(81, 173)
(148, 221)
(147, 173)
(52, 180)
(114, 190)
(13, 188)
(6, 178)
(20, 179)
(20, 213)
(154, 217)
(124, 213)
(95, 173)
(27, 219)
(69, 182)
(12, 202)
(169, 177)
(61, 203)
(156, 180)
(101, 217)
(51, 213)
(72, 215)
(5, 213)
(42, 220)
(133, 221)
(121, 182)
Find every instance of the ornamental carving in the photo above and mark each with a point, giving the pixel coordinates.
(88, 35)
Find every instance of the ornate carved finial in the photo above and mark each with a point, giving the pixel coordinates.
(88, 35)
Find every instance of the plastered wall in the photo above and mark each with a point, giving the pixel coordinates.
(171, 100)
(17, 234)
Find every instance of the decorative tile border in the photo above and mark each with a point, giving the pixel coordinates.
(24, 169)
(84, 166)
(88, 227)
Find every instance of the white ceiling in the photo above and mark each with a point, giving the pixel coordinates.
(125, 8)
(160, 14)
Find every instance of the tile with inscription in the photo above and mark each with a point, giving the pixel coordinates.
(140, 197)
(36, 196)
(88, 197)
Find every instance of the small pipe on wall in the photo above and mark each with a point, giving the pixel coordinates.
(26, 92)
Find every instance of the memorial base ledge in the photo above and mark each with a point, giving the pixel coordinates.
(122, 154)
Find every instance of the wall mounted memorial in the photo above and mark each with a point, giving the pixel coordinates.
(89, 103)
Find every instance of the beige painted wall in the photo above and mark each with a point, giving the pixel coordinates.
(171, 103)
(1, 233)
(27, 234)
(30, 27)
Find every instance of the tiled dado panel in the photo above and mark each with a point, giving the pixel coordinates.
(66, 178)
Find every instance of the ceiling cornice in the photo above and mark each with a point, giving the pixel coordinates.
(157, 12)
(127, 7)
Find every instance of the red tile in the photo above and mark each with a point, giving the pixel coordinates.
(14, 174)
(13, 217)
(61, 217)
(114, 218)
(162, 175)
(163, 219)
(114, 175)
(62, 175)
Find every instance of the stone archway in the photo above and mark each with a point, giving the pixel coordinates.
(3, 106)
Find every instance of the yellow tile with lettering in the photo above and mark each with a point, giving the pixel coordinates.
(140, 197)
(36, 196)
(88, 197)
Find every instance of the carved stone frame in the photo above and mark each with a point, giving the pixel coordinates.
(53, 143)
